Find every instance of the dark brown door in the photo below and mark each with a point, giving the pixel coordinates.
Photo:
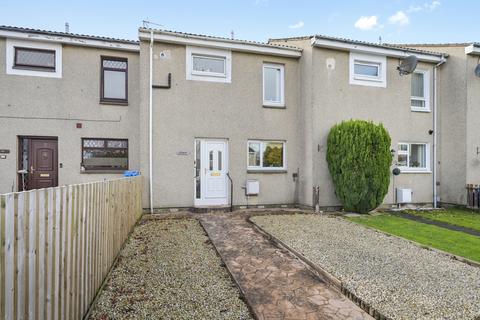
(42, 164)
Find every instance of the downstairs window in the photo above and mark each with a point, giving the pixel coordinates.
(413, 156)
(266, 155)
(104, 155)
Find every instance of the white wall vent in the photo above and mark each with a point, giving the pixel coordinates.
(252, 187)
(404, 195)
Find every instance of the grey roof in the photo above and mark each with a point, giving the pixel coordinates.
(206, 37)
(365, 43)
(66, 34)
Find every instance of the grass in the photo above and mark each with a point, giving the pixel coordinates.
(455, 242)
(456, 216)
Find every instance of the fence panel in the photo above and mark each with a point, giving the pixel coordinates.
(473, 196)
(58, 244)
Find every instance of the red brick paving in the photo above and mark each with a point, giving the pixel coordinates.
(275, 283)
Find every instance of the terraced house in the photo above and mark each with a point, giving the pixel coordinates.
(214, 122)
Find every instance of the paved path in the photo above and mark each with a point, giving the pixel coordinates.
(275, 283)
(441, 224)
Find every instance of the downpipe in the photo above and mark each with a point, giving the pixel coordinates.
(150, 124)
(443, 60)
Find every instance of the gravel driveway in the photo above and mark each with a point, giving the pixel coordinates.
(399, 279)
(169, 270)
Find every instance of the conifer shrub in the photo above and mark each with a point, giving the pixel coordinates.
(359, 159)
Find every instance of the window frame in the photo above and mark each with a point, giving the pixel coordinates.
(407, 168)
(261, 167)
(17, 65)
(103, 99)
(103, 169)
(195, 75)
(426, 92)
(281, 102)
(206, 73)
(10, 58)
(368, 60)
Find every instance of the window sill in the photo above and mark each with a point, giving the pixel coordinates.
(414, 171)
(266, 171)
(274, 106)
(33, 68)
(115, 103)
(103, 171)
(413, 109)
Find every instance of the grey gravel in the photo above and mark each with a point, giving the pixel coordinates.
(398, 278)
(169, 270)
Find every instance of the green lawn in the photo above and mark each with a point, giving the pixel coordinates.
(460, 217)
(455, 242)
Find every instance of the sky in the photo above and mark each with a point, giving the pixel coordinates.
(395, 21)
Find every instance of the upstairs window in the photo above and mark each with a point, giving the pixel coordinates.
(266, 155)
(209, 65)
(368, 70)
(205, 64)
(34, 59)
(114, 80)
(273, 85)
(104, 155)
(420, 85)
(413, 156)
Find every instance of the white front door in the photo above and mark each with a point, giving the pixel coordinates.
(211, 167)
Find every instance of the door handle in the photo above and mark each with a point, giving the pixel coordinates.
(31, 169)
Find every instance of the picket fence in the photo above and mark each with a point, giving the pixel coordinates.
(58, 244)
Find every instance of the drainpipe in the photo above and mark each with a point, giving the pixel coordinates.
(150, 124)
(442, 61)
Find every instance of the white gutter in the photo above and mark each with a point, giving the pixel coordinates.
(73, 40)
(150, 124)
(372, 49)
(435, 130)
(211, 42)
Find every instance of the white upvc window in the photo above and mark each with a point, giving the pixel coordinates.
(273, 85)
(266, 155)
(368, 70)
(420, 91)
(33, 58)
(205, 64)
(413, 157)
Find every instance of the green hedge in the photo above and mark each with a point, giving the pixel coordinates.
(359, 160)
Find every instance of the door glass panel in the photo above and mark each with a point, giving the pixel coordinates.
(198, 163)
(210, 159)
(219, 160)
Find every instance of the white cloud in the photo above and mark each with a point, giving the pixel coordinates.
(414, 9)
(399, 18)
(427, 6)
(432, 6)
(366, 22)
(297, 25)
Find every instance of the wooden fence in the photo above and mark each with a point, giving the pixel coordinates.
(58, 244)
(473, 196)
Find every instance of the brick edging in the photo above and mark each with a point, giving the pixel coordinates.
(322, 274)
